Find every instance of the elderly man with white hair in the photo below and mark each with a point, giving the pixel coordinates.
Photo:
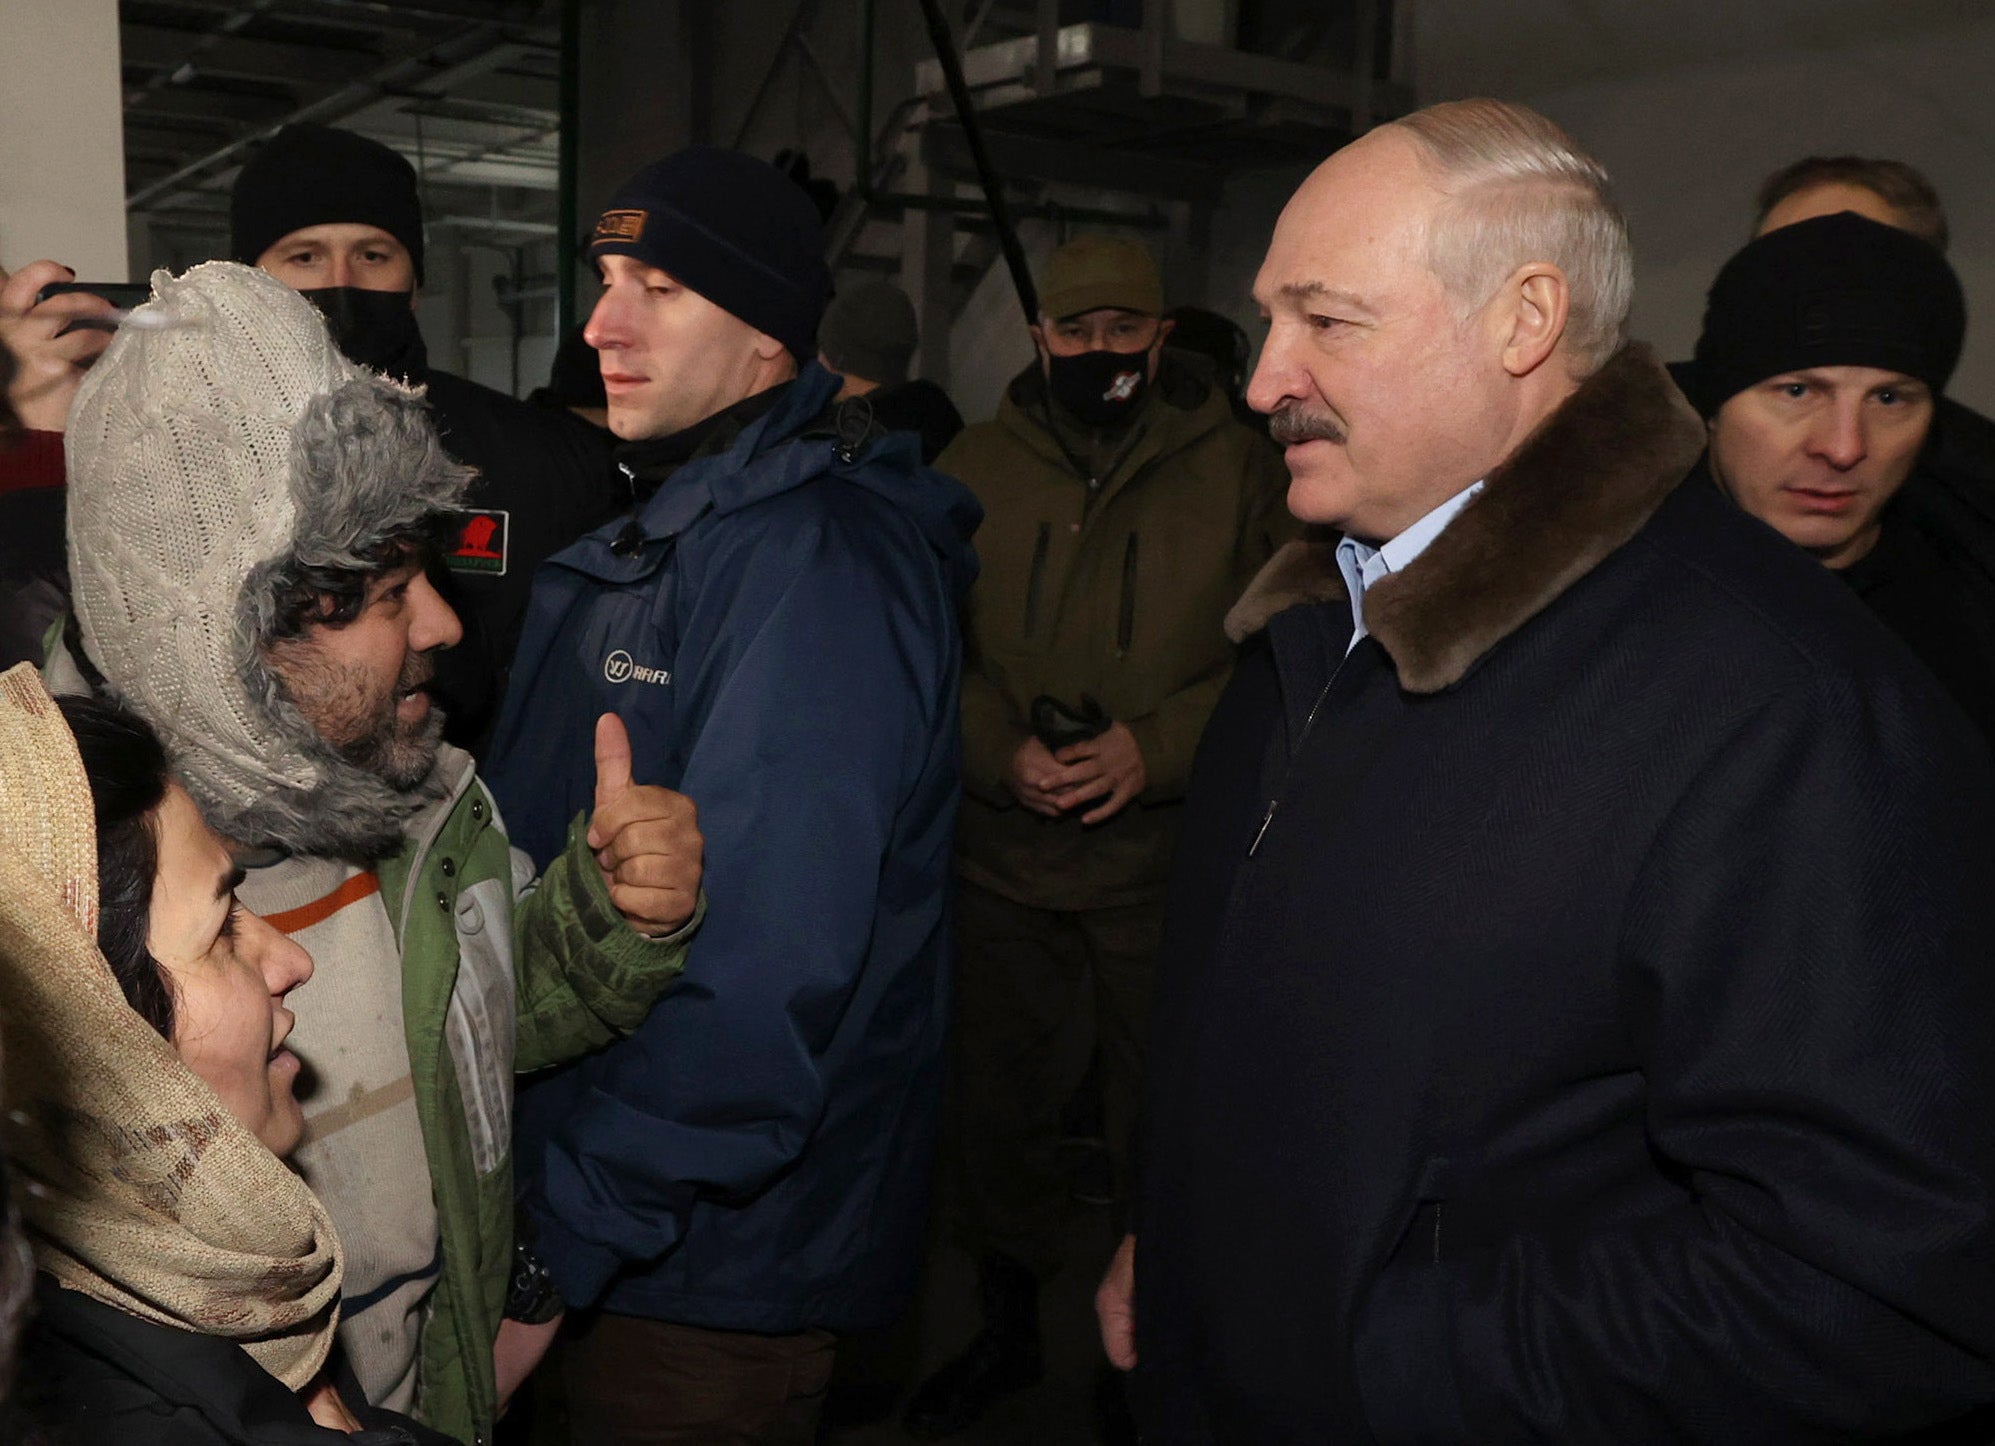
(1575, 1011)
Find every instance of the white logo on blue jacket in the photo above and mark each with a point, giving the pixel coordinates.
(619, 667)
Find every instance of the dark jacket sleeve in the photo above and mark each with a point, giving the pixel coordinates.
(34, 567)
(90, 1375)
(1808, 949)
(585, 977)
(811, 709)
(991, 736)
(1168, 736)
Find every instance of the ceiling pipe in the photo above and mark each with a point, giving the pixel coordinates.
(469, 47)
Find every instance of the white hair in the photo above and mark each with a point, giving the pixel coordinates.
(1520, 190)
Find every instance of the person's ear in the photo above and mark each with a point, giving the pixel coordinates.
(767, 348)
(1532, 307)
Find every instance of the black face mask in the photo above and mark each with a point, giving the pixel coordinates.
(375, 329)
(1101, 388)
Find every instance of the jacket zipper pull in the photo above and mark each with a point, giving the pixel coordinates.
(630, 541)
(855, 428)
(1262, 832)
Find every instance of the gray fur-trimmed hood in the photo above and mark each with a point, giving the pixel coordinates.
(220, 451)
(1579, 487)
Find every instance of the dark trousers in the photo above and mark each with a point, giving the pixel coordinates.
(1039, 994)
(635, 1382)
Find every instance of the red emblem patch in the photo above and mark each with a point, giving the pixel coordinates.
(481, 542)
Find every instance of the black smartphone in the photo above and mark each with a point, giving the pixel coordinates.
(121, 294)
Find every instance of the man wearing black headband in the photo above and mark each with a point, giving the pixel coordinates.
(1826, 347)
(338, 217)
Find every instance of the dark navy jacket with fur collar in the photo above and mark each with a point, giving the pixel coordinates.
(779, 633)
(1599, 1045)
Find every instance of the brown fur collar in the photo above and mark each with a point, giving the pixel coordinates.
(1581, 485)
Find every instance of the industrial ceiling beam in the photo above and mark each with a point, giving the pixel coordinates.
(475, 50)
(157, 48)
(199, 102)
(371, 15)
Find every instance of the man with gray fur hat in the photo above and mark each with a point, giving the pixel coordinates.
(250, 522)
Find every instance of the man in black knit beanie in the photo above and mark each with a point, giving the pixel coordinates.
(776, 621)
(1826, 348)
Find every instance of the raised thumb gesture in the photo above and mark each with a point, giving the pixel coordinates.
(646, 839)
(612, 764)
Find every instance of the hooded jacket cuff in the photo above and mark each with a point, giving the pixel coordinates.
(1164, 775)
(582, 1270)
(601, 921)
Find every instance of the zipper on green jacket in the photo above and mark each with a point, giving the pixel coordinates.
(1125, 632)
(1036, 577)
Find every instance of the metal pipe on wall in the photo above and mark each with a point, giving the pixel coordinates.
(987, 176)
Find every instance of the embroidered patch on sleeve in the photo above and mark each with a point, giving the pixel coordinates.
(619, 226)
(481, 543)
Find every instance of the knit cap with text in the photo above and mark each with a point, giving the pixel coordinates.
(220, 451)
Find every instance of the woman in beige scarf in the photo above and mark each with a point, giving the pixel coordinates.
(189, 1282)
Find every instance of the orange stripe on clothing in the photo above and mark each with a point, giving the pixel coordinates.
(305, 915)
(361, 1107)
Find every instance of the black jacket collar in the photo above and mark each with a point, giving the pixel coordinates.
(649, 461)
(237, 1398)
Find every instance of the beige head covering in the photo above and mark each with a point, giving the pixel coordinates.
(179, 458)
(219, 450)
(143, 1192)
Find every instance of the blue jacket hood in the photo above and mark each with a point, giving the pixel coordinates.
(799, 439)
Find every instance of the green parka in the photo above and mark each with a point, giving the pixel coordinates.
(1121, 599)
(484, 948)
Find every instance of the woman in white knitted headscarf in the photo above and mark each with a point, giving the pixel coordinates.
(188, 1281)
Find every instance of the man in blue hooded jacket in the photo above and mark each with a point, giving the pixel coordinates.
(776, 622)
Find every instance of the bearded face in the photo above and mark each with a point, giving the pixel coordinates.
(363, 684)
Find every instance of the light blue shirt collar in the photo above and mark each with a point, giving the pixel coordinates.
(1362, 564)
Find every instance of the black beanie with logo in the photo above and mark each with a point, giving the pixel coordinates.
(312, 175)
(1839, 290)
(732, 228)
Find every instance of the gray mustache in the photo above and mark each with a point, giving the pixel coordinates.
(1289, 425)
(417, 671)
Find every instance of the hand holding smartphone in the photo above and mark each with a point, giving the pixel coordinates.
(122, 294)
(53, 341)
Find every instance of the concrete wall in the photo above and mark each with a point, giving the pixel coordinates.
(465, 328)
(62, 147)
(1687, 134)
(1688, 144)
(639, 98)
